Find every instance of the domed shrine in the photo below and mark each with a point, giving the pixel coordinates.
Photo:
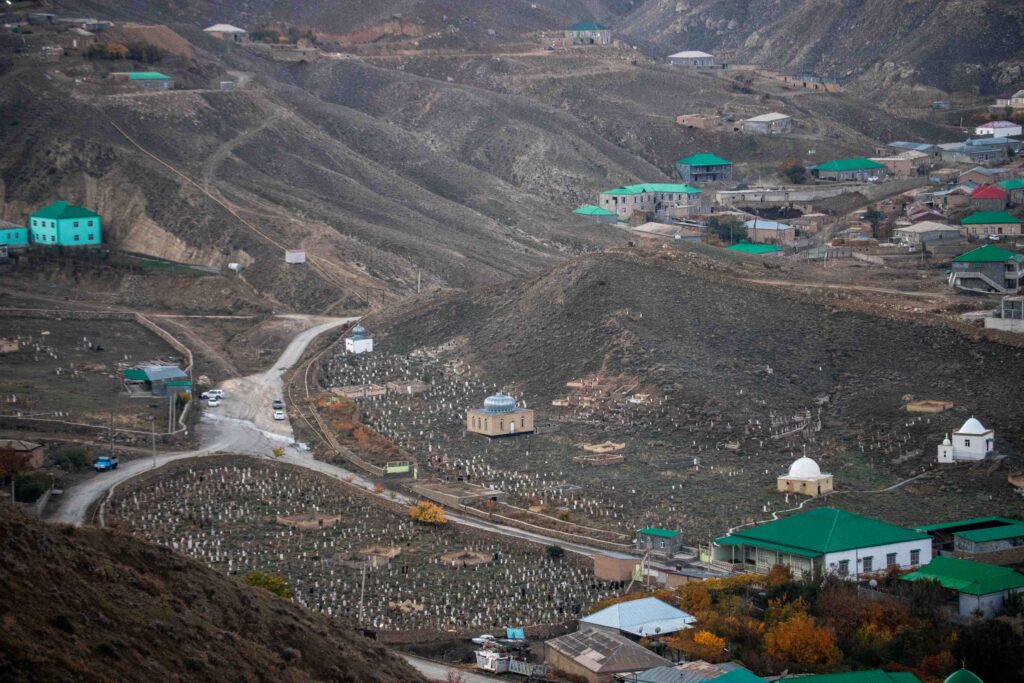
(500, 416)
(805, 477)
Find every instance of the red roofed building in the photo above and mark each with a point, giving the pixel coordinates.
(988, 198)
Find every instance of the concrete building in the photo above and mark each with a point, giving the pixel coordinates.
(999, 129)
(978, 587)
(857, 169)
(805, 477)
(944, 534)
(596, 213)
(612, 566)
(988, 198)
(980, 150)
(144, 80)
(823, 540)
(643, 618)
(500, 416)
(694, 59)
(596, 656)
(64, 225)
(704, 168)
(767, 124)
(22, 455)
(158, 379)
(358, 342)
(1014, 191)
(988, 270)
(12, 235)
(764, 231)
(927, 232)
(647, 198)
(700, 121)
(900, 146)
(1011, 316)
(904, 164)
(228, 32)
(659, 541)
(588, 33)
(975, 542)
(981, 175)
(971, 442)
(984, 223)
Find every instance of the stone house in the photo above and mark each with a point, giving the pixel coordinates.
(647, 198)
(18, 455)
(596, 656)
(1014, 190)
(984, 223)
(980, 150)
(228, 32)
(704, 168)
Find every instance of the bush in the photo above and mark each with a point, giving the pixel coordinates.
(555, 552)
(74, 457)
(427, 513)
(793, 171)
(29, 487)
(275, 583)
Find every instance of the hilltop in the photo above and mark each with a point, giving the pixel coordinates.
(87, 604)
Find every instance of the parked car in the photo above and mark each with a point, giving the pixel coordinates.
(212, 393)
(213, 402)
(105, 462)
(278, 414)
(278, 404)
(483, 640)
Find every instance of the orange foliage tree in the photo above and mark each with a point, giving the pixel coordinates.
(694, 597)
(801, 645)
(699, 645)
(427, 513)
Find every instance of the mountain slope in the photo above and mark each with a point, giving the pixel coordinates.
(86, 604)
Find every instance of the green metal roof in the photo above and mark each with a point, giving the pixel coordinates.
(739, 676)
(943, 526)
(61, 210)
(767, 545)
(135, 375)
(588, 26)
(591, 210)
(663, 533)
(855, 164)
(994, 533)
(148, 76)
(963, 676)
(704, 160)
(872, 676)
(988, 217)
(654, 187)
(1015, 184)
(973, 578)
(748, 248)
(826, 530)
(989, 253)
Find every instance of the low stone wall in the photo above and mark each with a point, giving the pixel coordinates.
(1004, 324)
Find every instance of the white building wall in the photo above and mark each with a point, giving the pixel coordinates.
(878, 554)
(971, 446)
(358, 345)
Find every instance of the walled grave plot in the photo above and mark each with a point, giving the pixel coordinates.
(225, 512)
(71, 370)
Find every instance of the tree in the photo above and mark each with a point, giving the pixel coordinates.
(801, 645)
(275, 583)
(783, 609)
(29, 487)
(426, 512)
(699, 645)
(555, 552)
(278, 452)
(991, 649)
(793, 171)
(730, 230)
(694, 597)
(874, 218)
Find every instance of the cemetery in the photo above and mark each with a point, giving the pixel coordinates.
(367, 562)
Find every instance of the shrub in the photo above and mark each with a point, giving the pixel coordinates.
(74, 457)
(29, 487)
(275, 583)
(426, 512)
(555, 552)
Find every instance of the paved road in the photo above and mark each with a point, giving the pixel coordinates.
(436, 671)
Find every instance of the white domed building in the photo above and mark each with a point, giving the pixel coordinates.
(358, 341)
(500, 416)
(805, 477)
(969, 443)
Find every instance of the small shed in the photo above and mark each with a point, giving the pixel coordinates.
(596, 213)
(773, 123)
(294, 256)
(158, 379)
(979, 587)
(659, 541)
(693, 59)
(22, 454)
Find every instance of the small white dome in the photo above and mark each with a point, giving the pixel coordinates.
(946, 441)
(804, 467)
(973, 427)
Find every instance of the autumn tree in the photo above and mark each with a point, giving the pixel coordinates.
(783, 609)
(426, 512)
(699, 645)
(275, 583)
(800, 644)
(694, 597)
(793, 171)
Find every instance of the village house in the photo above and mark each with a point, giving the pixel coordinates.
(927, 232)
(919, 213)
(978, 587)
(143, 80)
(980, 150)
(999, 129)
(704, 168)
(694, 59)
(612, 566)
(980, 175)
(825, 541)
(993, 539)
(157, 379)
(1009, 317)
(19, 456)
(228, 32)
(659, 541)
(12, 235)
(805, 477)
(647, 198)
(858, 169)
(596, 213)
(1014, 190)
(900, 146)
(988, 198)
(358, 342)
(984, 223)
(767, 124)
(769, 232)
(1014, 102)
(643, 618)
(500, 416)
(988, 269)
(596, 656)
(971, 442)
(904, 164)
(64, 225)
(588, 33)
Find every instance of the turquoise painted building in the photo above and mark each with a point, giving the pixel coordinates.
(64, 225)
(12, 235)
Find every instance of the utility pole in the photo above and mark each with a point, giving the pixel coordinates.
(111, 432)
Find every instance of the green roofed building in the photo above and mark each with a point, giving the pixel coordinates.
(988, 269)
(979, 587)
(588, 33)
(963, 676)
(871, 676)
(659, 541)
(597, 213)
(64, 225)
(984, 223)
(650, 198)
(755, 249)
(858, 168)
(824, 540)
(704, 168)
(144, 80)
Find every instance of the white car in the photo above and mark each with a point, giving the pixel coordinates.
(213, 393)
(213, 402)
(483, 640)
(278, 414)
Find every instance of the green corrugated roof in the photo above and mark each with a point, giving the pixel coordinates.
(588, 26)
(767, 545)
(591, 210)
(942, 526)
(1015, 184)
(993, 533)
(989, 253)
(989, 217)
(855, 164)
(962, 675)
(748, 248)
(973, 578)
(872, 676)
(135, 374)
(739, 676)
(61, 210)
(663, 533)
(704, 160)
(654, 187)
(826, 530)
(148, 76)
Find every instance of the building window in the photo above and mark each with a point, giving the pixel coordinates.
(78, 238)
(869, 564)
(89, 224)
(76, 224)
(890, 559)
(915, 557)
(90, 236)
(522, 422)
(844, 567)
(967, 443)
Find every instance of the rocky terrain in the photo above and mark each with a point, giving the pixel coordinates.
(92, 605)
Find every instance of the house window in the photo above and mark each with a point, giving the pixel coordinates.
(76, 224)
(844, 567)
(967, 443)
(89, 224)
(90, 236)
(662, 543)
(78, 238)
(915, 557)
(890, 559)
(522, 422)
(869, 564)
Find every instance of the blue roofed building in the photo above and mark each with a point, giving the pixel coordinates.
(644, 618)
(500, 416)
